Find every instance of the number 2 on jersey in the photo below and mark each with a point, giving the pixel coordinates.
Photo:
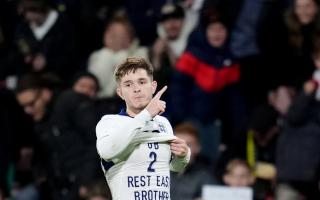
(153, 156)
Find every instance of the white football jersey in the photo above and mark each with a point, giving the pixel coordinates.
(136, 157)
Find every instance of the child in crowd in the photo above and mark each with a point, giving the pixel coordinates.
(238, 174)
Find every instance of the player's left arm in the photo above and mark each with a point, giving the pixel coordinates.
(181, 155)
(179, 149)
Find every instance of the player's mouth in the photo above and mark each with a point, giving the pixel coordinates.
(139, 98)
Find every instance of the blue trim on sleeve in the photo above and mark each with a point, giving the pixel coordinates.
(106, 164)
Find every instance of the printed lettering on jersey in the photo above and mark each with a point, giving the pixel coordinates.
(141, 184)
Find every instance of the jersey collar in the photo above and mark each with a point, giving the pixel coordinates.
(124, 113)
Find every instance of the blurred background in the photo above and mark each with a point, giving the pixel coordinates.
(243, 90)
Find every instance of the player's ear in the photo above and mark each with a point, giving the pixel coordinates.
(154, 85)
(119, 93)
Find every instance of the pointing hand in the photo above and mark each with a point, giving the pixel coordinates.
(157, 106)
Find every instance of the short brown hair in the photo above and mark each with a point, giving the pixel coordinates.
(131, 64)
(235, 163)
(188, 128)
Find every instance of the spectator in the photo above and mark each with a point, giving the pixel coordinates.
(187, 184)
(64, 125)
(298, 152)
(173, 33)
(14, 141)
(238, 174)
(88, 15)
(266, 123)
(36, 95)
(86, 83)
(171, 40)
(119, 43)
(256, 39)
(205, 82)
(73, 123)
(303, 23)
(43, 42)
(263, 132)
(173, 30)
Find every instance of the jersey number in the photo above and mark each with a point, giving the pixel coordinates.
(153, 156)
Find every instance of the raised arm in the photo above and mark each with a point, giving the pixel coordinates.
(115, 133)
(118, 135)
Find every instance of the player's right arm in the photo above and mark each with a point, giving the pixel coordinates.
(115, 132)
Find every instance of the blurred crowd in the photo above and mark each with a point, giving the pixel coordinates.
(243, 82)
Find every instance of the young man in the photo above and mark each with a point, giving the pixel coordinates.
(135, 146)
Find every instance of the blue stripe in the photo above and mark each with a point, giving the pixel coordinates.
(106, 165)
(124, 113)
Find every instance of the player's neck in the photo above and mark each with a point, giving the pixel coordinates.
(133, 112)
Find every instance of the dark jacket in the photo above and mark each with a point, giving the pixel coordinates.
(73, 137)
(57, 46)
(298, 149)
(15, 133)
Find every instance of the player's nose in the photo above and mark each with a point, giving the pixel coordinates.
(136, 88)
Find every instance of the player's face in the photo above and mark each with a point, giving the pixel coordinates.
(136, 89)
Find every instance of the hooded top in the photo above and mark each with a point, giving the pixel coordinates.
(211, 68)
(202, 75)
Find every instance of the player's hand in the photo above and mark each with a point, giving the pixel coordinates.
(157, 106)
(179, 147)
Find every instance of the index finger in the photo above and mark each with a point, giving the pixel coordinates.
(159, 94)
